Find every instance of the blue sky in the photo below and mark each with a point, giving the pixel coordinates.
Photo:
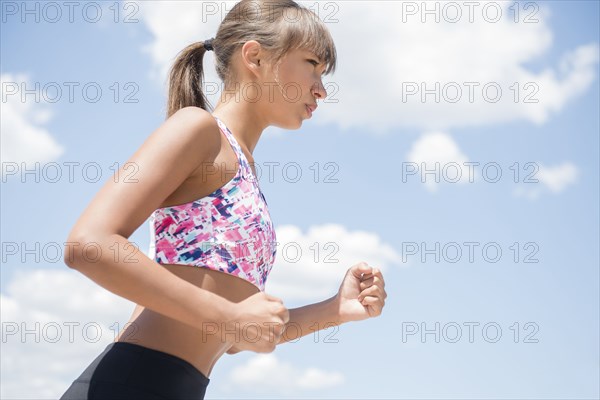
(370, 213)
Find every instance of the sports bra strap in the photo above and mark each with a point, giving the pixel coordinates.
(236, 148)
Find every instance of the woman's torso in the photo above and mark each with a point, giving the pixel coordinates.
(157, 331)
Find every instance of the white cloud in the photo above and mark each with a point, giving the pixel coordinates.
(374, 69)
(400, 53)
(266, 373)
(437, 151)
(41, 356)
(23, 140)
(310, 266)
(554, 179)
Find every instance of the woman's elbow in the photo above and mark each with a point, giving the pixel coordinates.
(75, 247)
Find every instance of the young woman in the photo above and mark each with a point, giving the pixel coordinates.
(195, 179)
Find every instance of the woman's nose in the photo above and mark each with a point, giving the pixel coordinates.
(318, 90)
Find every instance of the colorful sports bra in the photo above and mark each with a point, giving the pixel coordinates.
(230, 230)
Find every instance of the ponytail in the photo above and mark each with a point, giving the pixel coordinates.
(185, 80)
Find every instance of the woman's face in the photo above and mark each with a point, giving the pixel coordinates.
(297, 87)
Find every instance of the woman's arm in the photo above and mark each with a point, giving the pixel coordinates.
(306, 319)
(310, 318)
(361, 295)
(116, 264)
(98, 247)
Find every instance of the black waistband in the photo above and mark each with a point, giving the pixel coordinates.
(151, 369)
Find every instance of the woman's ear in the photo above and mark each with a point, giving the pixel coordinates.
(251, 51)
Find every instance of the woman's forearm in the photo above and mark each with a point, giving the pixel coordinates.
(310, 318)
(119, 266)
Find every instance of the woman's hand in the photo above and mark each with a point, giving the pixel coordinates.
(361, 294)
(256, 324)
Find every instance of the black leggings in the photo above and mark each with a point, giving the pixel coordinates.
(127, 371)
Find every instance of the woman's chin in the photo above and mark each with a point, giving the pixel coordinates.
(292, 125)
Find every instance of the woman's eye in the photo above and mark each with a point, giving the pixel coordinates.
(315, 62)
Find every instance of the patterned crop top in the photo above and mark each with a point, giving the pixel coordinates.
(230, 230)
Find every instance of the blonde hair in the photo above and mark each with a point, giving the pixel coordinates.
(278, 25)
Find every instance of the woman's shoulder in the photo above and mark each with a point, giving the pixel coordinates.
(195, 116)
(190, 135)
(195, 126)
(197, 130)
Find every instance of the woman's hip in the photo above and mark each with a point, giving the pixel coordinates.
(125, 370)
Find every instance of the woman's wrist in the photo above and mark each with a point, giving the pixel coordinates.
(216, 313)
(334, 310)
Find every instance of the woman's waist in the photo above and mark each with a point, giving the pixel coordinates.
(200, 347)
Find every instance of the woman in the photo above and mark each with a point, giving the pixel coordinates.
(194, 177)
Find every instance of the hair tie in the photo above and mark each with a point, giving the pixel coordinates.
(208, 46)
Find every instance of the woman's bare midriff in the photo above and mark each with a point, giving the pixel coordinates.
(201, 348)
